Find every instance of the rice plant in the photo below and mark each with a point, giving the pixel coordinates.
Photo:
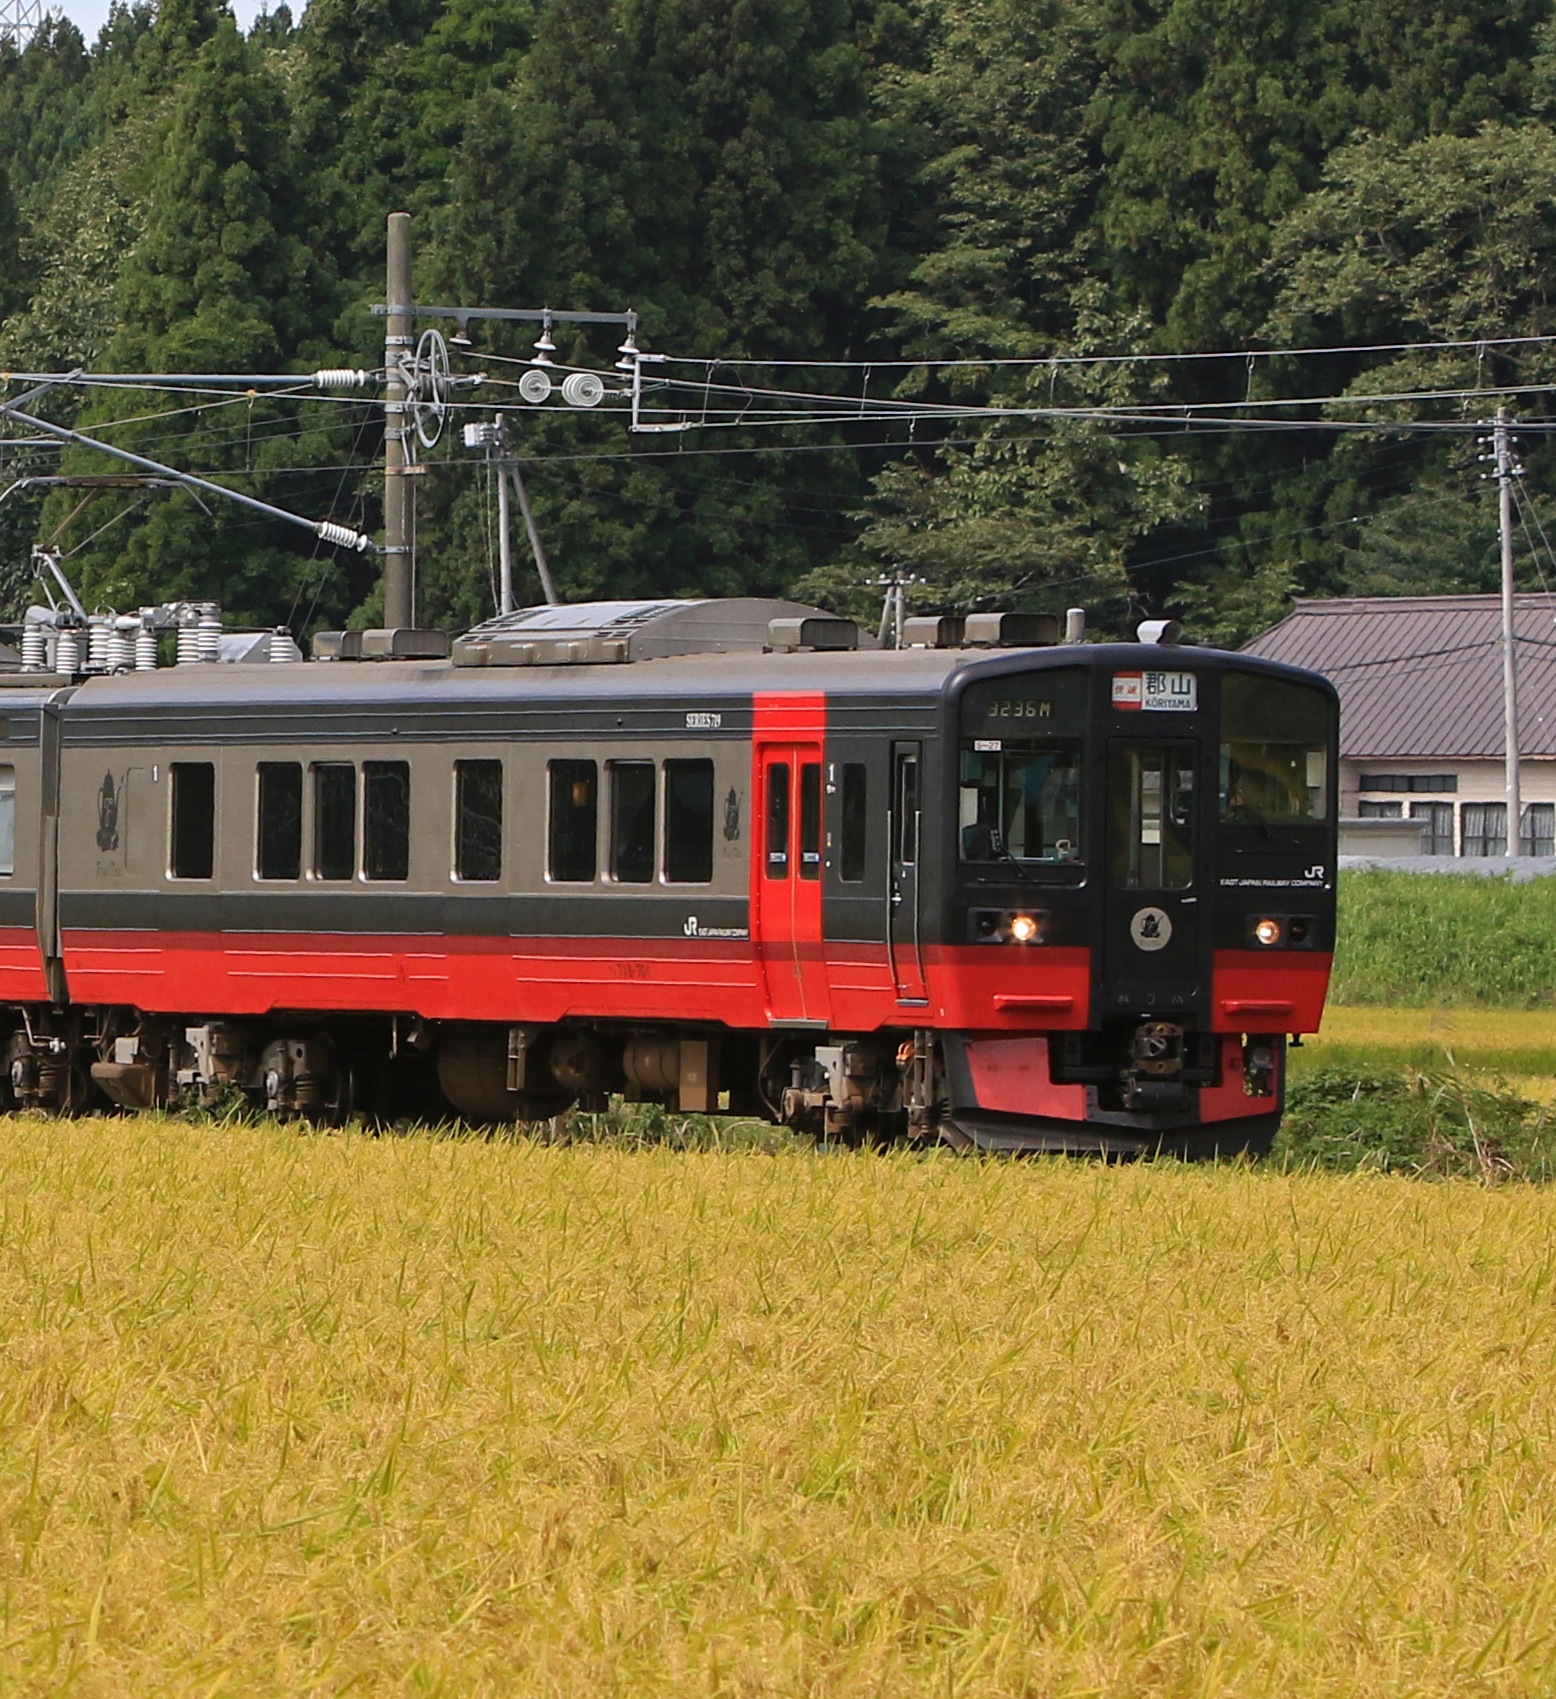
(299, 1413)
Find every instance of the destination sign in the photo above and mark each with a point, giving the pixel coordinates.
(1156, 692)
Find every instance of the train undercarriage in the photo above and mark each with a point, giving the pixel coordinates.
(1133, 1088)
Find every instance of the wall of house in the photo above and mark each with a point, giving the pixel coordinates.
(1460, 803)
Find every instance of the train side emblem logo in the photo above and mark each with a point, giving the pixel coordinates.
(107, 816)
(1151, 928)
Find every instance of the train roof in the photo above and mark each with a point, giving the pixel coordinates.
(874, 674)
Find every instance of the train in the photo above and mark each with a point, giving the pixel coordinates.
(992, 888)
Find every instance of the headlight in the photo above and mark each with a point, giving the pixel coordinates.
(1023, 928)
(1267, 931)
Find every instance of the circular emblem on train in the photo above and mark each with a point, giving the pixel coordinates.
(1151, 928)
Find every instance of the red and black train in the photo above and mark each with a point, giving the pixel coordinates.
(1002, 893)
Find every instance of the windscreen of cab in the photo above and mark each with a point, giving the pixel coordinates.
(1276, 738)
(1020, 793)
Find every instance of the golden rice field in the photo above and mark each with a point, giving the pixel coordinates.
(308, 1414)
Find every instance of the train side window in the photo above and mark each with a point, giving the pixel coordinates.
(633, 797)
(386, 820)
(810, 820)
(278, 832)
(778, 820)
(688, 822)
(193, 846)
(334, 820)
(7, 819)
(574, 821)
(855, 820)
(907, 809)
(478, 820)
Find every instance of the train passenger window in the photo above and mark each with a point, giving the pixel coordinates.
(1151, 805)
(386, 820)
(1274, 751)
(334, 820)
(778, 820)
(7, 819)
(193, 847)
(478, 820)
(1020, 801)
(688, 822)
(810, 820)
(278, 834)
(574, 819)
(855, 818)
(907, 809)
(633, 796)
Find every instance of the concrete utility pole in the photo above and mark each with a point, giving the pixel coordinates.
(1506, 472)
(507, 469)
(542, 565)
(507, 602)
(399, 609)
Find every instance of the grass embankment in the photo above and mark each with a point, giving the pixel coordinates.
(292, 1414)
(1445, 941)
(1438, 1048)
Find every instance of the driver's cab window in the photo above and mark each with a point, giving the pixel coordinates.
(1151, 810)
(1021, 783)
(1020, 802)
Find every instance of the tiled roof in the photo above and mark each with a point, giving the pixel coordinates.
(1420, 677)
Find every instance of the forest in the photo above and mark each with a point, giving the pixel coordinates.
(1196, 301)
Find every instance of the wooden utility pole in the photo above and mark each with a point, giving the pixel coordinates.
(399, 609)
(1506, 472)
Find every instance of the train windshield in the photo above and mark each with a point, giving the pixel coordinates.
(1274, 752)
(1021, 802)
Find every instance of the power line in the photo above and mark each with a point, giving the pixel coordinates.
(1041, 360)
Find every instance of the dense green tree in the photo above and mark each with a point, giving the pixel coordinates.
(715, 168)
(223, 278)
(1075, 184)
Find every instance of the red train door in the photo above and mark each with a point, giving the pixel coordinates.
(786, 862)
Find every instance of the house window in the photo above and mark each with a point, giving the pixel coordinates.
(1539, 833)
(478, 820)
(1436, 826)
(193, 849)
(1485, 828)
(1380, 810)
(1415, 783)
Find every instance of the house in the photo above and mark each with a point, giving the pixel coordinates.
(1421, 726)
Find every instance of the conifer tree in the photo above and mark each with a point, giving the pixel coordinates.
(223, 279)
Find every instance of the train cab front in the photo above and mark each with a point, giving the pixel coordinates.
(1143, 887)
